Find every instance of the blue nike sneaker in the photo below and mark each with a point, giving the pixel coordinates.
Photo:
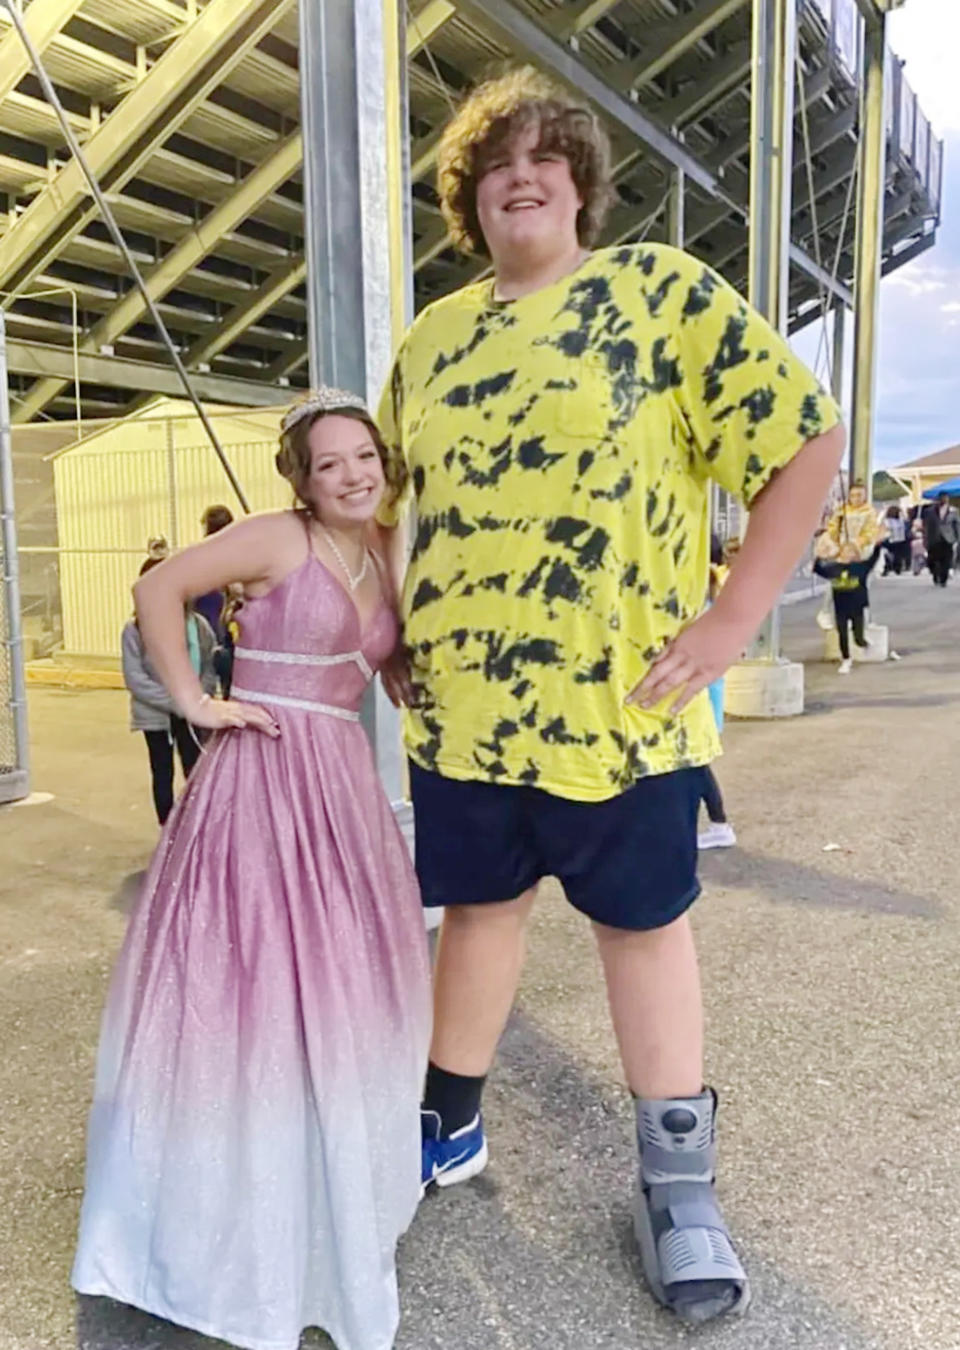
(444, 1162)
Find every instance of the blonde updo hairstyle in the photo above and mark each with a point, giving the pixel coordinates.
(294, 458)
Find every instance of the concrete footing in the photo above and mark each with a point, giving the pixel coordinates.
(764, 689)
(878, 635)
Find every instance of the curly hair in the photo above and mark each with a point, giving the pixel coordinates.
(294, 460)
(494, 114)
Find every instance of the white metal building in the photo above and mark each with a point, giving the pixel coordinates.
(148, 475)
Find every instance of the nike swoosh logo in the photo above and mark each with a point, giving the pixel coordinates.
(451, 1162)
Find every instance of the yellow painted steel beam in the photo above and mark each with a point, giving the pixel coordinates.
(44, 20)
(287, 363)
(576, 19)
(245, 315)
(423, 154)
(420, 30)
(433, 242)
(868, 252)
(197, 62)
(198, 244)
(422, 26)
(147, 378)
(678, 38)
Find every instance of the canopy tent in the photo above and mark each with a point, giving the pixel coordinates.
(951, 487)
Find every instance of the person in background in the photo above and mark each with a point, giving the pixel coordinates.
(897, 543)
(719, 833)
(211, 605)
(157, 548)
(152, 710)
(942, 537)
(918, 549)
(223, 657)
(847, 575)
(852, 525)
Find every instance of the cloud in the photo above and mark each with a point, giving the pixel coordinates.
(918, 359)
(918, 374)
(921, 280)
(926, 34)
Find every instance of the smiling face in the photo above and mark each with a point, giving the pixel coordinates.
(346, 479)
(527, 201)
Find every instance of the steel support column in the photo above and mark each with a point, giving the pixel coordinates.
(771, 156)
(41, 360)
(839, 354)
(353, 105)
(771, 177)
(14, 776)
(873, 10)
(677, 209)
(869, 247)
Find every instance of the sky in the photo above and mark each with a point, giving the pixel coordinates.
(918, 380)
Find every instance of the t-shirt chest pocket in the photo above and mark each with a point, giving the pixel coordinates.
(574, 394)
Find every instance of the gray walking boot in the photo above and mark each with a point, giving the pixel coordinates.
(688, 1257)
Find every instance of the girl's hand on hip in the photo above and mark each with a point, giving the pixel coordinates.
(222, 714)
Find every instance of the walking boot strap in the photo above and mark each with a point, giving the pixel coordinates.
(688, 1257)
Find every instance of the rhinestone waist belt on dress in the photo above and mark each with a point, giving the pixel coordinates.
(301, 659)
(328, 709)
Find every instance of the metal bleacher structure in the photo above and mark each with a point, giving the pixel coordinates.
(189, 116)
(233, 197)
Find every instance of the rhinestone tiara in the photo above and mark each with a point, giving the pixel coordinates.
(322, 400)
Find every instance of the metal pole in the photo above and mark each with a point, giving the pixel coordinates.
(359, 299)
(771, 157)
(172, 484)
(839, 353)
(14, 785)
(105, 210)
(676, 235)
(676, 209)
(869, 249)
(771, 175)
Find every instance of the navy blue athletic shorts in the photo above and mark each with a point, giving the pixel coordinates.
(628, 862)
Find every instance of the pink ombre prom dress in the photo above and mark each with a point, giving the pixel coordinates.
(254, 1141)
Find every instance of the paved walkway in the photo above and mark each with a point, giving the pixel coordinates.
(832, 981)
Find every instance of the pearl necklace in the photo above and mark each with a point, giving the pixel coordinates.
(352, 581)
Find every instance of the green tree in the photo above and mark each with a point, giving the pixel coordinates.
(885, 488)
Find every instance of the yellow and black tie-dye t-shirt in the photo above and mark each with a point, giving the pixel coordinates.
(560, 448)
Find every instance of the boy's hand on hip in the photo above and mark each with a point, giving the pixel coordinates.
(395, 677)
(692, 661)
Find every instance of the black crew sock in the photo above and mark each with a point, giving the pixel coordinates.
(455, 1098)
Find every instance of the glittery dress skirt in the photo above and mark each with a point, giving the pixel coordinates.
(254, 1142)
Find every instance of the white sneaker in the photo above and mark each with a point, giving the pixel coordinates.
(717, 836)
(845, 667)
